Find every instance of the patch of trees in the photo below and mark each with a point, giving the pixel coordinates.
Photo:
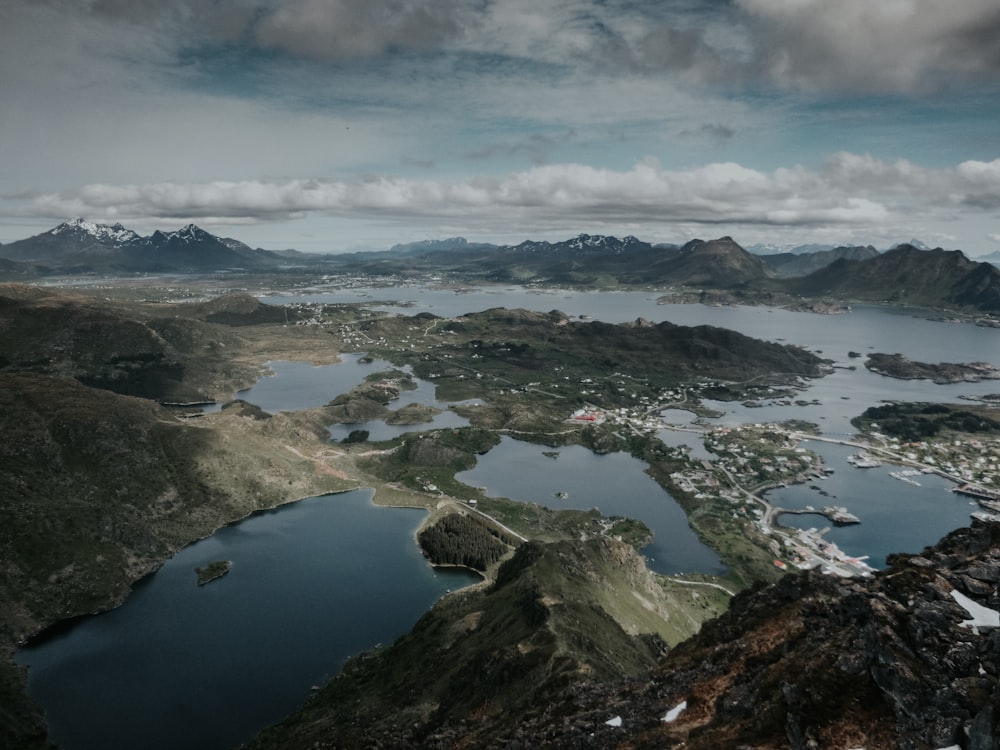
(917, 421)
(458, 539)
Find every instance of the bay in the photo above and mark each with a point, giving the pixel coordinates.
(896, 516)
(206, 667)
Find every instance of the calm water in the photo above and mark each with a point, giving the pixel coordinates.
(188, 666)
(301, 385)
(842, 395)
(615, 483)
(180, 666)
(896, 516)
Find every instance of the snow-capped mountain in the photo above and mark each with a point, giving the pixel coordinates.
(584, 244)
(81, 245)
(104, 233)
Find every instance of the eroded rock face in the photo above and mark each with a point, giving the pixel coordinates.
(812, 661)
(815, 662)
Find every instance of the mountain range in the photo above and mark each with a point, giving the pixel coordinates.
(81, 246)
(908, 273)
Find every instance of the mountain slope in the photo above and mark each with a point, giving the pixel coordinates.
(937, 278)
(790, 265)
(98, 490)
(719, 264)
(813, 661)
(558, 614)
(167, 359)
(809, 662)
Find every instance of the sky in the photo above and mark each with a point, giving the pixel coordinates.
(335, 125)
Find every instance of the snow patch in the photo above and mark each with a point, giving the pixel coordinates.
(115, 232)
(614, 722)
(982, 617)
(674, 712)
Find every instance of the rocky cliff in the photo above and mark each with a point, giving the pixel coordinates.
(908, 658)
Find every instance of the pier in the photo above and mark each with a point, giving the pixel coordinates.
(980, 493)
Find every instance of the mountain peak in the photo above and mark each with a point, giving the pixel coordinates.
(105, 233)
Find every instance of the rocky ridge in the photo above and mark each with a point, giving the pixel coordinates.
(909, 658)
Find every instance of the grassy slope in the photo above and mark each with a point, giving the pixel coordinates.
(103, 487)
(560, 613)
(99, 489)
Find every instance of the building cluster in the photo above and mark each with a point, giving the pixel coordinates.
(971, 460)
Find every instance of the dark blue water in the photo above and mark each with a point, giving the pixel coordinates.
(615, 483)
(896, 516)
(188, 666)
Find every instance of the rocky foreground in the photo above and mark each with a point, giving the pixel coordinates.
(908, 658)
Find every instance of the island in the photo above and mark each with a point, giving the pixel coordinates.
(898, 366)
(213, 571)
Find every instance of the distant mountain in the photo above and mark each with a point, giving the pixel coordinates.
(906, 274)
(582, 244)
(82, 246)
(792, 264)
(432, 246)
(67, 239)
(913, 243)
(583, 260)
(993, 258)
(761, 249)
(720, 263)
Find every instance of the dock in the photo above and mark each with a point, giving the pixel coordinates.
(980, 493)
(863, 460)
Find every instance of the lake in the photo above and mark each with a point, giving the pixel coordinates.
(187, 666)
(616, 483)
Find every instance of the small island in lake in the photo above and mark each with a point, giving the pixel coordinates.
(898, 366)
(212, 571)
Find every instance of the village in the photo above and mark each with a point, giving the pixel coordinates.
(753, 458)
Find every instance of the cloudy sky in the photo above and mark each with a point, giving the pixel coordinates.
(328, 125)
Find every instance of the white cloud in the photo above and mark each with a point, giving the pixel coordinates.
(849, 190)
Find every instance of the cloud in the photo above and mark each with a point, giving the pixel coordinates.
(887, 46)
(907, 46)
(849, 190)
(345, 29)
(714, 131)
